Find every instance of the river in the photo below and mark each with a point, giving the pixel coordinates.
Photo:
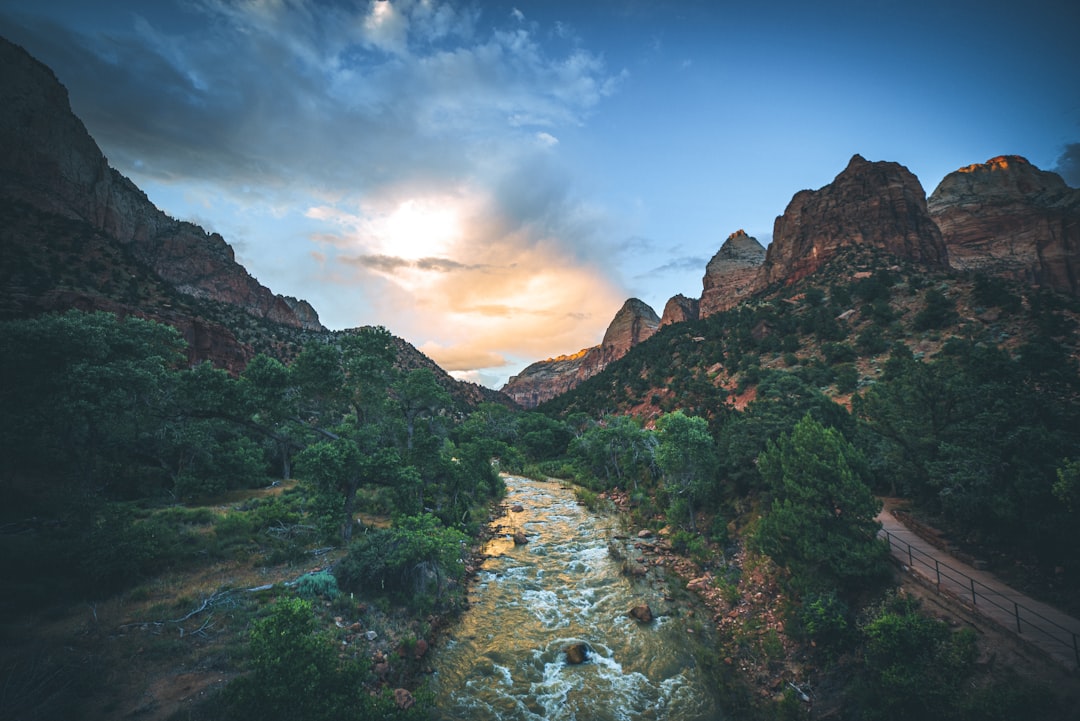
(505, 659)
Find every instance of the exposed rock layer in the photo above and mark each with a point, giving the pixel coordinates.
(1006, 217)
(733, 274)
(877, 204)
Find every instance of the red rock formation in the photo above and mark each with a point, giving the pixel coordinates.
(878, 204)
(679, 308)
(733, 274)
(543, 380)
(1006, 217)
(634, 322)
(52, 163)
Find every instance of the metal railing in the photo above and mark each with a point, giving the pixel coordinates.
(964, 587)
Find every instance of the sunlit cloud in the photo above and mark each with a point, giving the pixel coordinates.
(408, 159)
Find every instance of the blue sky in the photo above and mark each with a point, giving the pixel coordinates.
(491, 180)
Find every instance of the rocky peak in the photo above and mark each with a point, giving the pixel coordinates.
(1007, 217)
(635, 322)
(732, 274)
(680, 308)
(878, 204)
(51, 162)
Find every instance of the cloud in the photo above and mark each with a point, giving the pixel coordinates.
(679, 265)
(315, 96)
(1068, 165)
(460, 358)
(407, 151)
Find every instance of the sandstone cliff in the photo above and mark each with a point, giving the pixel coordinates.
(51, 162)
(1006, 217)
(543, 380)
(679, 308)
(879, 204)
(733, 274)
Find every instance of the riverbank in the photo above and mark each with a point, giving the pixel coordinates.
(755, 661)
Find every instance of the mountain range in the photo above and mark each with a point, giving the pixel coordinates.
(1004, 218)
(76, 233)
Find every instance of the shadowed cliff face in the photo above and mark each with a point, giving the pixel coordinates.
(634, 323)
(1006, 217)
(877, 204)
(52, 163)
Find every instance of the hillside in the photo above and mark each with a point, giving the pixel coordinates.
(75, 233)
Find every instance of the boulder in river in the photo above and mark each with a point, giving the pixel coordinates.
(642, 613)
(519, 538)
(577, 653)
(517, 508)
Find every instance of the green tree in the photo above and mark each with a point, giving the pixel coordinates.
(616, 450)
(416, 555)
(337, 469)
(367, 356)
(83, 395)
(821, 523)
(687, 456)
(420, 396)
(543, 438)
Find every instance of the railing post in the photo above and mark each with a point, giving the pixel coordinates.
(910, 558)
(974, 602)
(937, 570)
(1076, 649)
(1016, 608)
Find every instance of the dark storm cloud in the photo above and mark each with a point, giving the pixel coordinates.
(323, 98)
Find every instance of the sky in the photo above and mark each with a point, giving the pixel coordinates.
(492, 180)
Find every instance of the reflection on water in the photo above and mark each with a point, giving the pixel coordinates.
(505, 660)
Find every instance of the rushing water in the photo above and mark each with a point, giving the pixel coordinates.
(506, 658)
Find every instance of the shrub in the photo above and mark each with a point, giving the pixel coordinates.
(914, 666)
(320, 583)
(824, 618)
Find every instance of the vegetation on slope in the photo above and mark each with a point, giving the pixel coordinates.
(753, 441)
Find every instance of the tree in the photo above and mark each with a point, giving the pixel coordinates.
(271, 406)
(367, 357)
(408, 558)
(821, 524)
(420, 396)
(337, 468)
(83, 394)
(615, 450)
(687, 455)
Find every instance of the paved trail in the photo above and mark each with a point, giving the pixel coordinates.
(1049, 629)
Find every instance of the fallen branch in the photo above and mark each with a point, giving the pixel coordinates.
(219, 596)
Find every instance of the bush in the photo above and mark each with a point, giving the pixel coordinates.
(938, 312)
(297, 674)
(824, 618)
(416, 556)
(914, 666)
(320, 583)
